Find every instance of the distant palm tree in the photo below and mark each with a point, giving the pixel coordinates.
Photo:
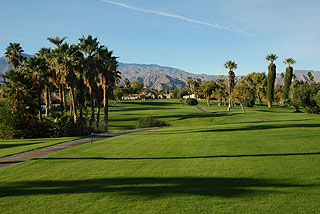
(57, 40)
(231, 65)
(288, 78)
(310, 76)
(271, 78)
(13, 55)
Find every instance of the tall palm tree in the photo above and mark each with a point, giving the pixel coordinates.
(288, 78)
(271, 78)
(46, 54)
(108, 76)
(231, 65)
(57, 80)
(38, 67)
(89, 47)
(13, 55)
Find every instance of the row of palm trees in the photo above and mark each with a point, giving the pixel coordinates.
(231, 65)
(76, 69)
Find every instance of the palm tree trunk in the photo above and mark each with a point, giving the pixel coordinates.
(39, 105)
(47, 95)
(61, 98)
(98, 112)
(73, 104)
(106, 107)
(65, 98)
(92, 110)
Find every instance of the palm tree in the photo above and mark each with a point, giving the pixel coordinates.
(57, 40)
(46, 54)
(108, 76)
(89, 48)
(38, 67)
(71, 59)
(310, 76)
(57, 68)
(271, 78)
(288, 78)
(13, 55)
(231, 65)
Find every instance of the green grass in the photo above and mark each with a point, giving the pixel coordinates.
(11, 147)
(202, 163)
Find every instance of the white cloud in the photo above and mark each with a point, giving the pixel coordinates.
(229, 28)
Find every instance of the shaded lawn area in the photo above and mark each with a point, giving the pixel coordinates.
(203, 163)
(11, 147)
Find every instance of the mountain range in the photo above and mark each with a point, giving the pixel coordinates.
(154, 76)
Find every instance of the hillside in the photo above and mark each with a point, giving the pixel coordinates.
(153, 75)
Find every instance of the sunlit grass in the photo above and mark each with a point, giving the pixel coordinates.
(202, 163)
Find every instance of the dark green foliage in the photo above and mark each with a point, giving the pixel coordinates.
(182, 92)
(270, 83)
(287, 82)
(150, 121)
(191, 102)
(308, 96)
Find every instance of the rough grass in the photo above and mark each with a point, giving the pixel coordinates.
(203, 163)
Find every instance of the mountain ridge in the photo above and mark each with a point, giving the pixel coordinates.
(156, 76)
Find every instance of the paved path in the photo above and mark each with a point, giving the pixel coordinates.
(21, 157)
(235, 115)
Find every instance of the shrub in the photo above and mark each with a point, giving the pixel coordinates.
(191, 102)
(150, 121)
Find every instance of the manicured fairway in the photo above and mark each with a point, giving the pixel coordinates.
(203, 163)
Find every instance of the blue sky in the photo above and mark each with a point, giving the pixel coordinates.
(197, 36)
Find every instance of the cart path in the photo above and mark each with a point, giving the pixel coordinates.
(36, 153)
(235, 115)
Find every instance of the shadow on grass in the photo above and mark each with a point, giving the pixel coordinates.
(8, 145)
(151, 187)
(151, 103)
(182, 157)
(245, 128)
(142, 109)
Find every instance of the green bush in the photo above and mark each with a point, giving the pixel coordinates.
(191, 102)
(150, 121)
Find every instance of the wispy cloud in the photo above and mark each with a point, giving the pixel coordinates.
(194, 21)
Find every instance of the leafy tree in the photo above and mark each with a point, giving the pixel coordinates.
(127, 83)
(220, 90)
(241, 93)
(137, 86)
(231, 65)
(258, 83)
(307, 96)
(288, 78)
(206, 89)
(271, 78)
